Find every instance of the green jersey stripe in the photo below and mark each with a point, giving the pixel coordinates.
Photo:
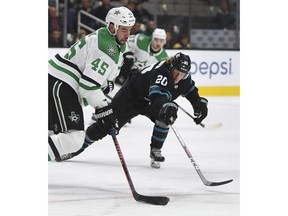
(64, 70)
(89, 88)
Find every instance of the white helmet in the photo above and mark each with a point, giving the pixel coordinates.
(120, 16)
(159, 33)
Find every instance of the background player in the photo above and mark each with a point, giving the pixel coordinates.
(143, 51)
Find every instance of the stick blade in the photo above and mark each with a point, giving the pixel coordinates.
(218, 183)
(154, 200)
(212, 126)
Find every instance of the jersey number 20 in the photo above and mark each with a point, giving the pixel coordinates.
(162, 80)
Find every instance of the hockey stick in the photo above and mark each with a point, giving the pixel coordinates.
(155, 200)
(109, 97)
(211, 126)
(204, 180)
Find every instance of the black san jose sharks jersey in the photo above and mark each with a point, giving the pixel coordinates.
(155, 84)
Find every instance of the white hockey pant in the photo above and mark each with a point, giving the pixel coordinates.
(68, 142)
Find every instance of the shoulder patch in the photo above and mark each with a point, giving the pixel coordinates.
(111, 50)
(108, 45)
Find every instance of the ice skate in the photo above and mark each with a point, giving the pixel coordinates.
(156, 158)
(155, 164)
(65, 157)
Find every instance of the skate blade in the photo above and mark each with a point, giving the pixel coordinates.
(155, 164)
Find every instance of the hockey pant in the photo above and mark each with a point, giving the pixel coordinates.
(66, 120)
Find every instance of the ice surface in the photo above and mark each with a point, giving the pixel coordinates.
(94, 183)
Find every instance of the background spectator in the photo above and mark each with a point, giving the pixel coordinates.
(142, 15)
(101, 12)
(131, 4)
(145, 23)
(74, 8)
(55, 38)
(169, 40)
(87, 7)
(150, 28)
(72, 17)
(54, 21)
(225, 18)
(81, 34)
(183, 42)
(219, 14)
(137, 28)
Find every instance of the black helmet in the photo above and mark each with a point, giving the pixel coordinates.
(181, 62)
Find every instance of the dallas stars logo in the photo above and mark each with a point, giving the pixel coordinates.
(74, 117)
(111, 50)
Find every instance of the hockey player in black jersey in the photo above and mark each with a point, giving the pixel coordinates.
(151, 92)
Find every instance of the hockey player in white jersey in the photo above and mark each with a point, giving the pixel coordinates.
(143, 50)
(82, 77)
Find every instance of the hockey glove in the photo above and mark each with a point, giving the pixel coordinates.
(128, 60)
(126, 68)
(109, 88)
(107, 118)
(168, 113)
(200, 110)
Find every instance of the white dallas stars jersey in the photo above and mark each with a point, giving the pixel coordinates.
(143, 56)
(88, 66)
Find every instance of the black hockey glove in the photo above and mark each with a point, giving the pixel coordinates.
(107, 118)
(168, 113)
(109, 88)
(200, 110)
(126, 68)
(128, 60)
